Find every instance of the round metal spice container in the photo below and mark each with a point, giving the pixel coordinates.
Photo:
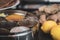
(18, 33)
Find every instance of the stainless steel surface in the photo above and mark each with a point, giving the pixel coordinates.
(33, 1)
(32, 6)
(54, 0)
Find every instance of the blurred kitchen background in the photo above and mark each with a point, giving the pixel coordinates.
(34, 4)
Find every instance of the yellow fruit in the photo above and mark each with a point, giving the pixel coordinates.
(47, 25)
(55, 32)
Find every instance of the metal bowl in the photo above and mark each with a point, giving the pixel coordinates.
(25, 35)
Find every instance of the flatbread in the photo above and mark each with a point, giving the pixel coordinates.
(12, 3)
(4, 3)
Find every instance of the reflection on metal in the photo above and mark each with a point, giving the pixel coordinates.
(54, 0)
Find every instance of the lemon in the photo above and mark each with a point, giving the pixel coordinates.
(55, 32)
(47, 25)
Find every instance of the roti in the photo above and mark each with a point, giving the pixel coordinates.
(5, 3)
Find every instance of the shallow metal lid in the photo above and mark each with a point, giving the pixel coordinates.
(18, 29)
